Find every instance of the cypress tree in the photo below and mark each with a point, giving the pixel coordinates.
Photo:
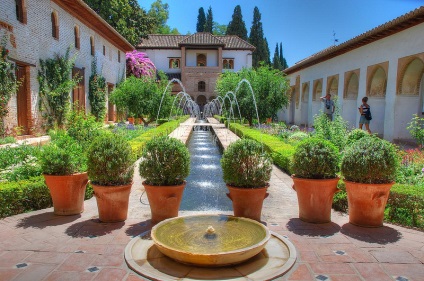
(201, 20)
(276, 64)
(237, 25)
(281, 54)
(267, 58)
(256, 38)
(209, 21)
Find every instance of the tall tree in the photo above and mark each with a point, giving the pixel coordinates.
(256, 38)
(201, 20)
(160, 12)
(237, 25)
(209, 21)
(276, 64)
(267, 58)
(282, 58)
(219, 29)
(126, 16)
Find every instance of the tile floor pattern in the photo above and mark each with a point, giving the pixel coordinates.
(42, 246)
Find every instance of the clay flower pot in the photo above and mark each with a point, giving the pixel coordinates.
(366, 203)
(67, 193)
(247, 202)
(112, 202)
(131, 120)
(164, 201)
(315, 197)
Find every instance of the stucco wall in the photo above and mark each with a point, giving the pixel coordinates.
(390, 114)
(34, 41)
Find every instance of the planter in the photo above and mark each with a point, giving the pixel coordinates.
(67, 193)
(112, 202)
(137, 121)
(366, 203)
(164, 200)
(131, 120)
(247, 202)
(315, 197)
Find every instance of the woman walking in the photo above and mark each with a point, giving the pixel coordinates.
(365, 111)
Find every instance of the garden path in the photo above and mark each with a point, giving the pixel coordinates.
(42, 246)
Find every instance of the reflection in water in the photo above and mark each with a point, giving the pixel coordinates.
(205, 189)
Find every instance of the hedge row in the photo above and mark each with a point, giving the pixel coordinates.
(27, 195)
(280, 151)
(164, 129)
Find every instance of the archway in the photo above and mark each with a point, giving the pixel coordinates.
(304, 104)
(201, 101)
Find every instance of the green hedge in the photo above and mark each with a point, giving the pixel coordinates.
(164, 129)
(27, 195)
(280, 151)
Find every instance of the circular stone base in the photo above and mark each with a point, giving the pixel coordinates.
(278, 256)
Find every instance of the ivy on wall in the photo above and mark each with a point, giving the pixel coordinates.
(97, 92)
(56, 83)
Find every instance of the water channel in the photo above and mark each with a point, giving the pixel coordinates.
(205, 189)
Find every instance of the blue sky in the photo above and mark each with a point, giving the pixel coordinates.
(303, 26)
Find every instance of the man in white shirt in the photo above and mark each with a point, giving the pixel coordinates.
(328, 106)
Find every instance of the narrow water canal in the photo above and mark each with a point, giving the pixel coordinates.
(205, 189)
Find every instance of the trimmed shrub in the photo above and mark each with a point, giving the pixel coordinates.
(245, 164)
(406, 205)
(355, 135)
(165, 161)
(297, 137)
(315, 158)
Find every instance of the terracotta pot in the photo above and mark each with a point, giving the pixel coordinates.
(137, 121)
(366, 203)
(247, 202)
(67, 193)
(315, 197)
(112, 202)
(131, 120)
(164, 200)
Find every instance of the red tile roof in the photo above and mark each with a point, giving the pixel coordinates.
(401, 23)
(228, 42)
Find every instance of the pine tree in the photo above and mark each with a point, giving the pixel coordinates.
(237, 25)
(201, 20)
(267, 58)
(281, 55)
(276, 64)
(256, 38)
(209, 21)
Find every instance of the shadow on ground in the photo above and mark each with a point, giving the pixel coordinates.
(302, 228)
(92, 228)
(43, 220)
(380, 235)
(139, 228)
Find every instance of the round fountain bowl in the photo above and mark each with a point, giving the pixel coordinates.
(210, 240)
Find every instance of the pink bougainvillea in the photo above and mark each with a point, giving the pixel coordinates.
(138, 64)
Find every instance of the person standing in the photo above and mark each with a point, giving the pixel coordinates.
(365, 110)
(328, 106)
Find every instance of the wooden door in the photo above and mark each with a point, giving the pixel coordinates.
(110, 109)
(78, 94)
(23, 99)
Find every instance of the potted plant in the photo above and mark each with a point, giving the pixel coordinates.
(369, 168)
(164, 165)
(110, 169)
(64, 169)
(246, 170)
(314, 166)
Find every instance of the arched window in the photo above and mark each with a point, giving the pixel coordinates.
(201, 60)
(171, 63)
(352, 87)
(77, 37)
(378, 83)
(55, 25)
(92, 45)
(305, 92)
(410, 83)
(317, 90)
(21, 14)
(201, 86)
(104, 50)
(119, 56)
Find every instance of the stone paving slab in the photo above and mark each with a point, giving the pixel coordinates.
(42, 246)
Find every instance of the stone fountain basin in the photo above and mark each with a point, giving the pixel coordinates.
(186, 240)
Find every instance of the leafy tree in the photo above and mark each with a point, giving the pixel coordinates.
(256, 38)
(160, 12)
(97, 93)
(237, 25)
(269, 88)
(54, 78)
(8, 83)
(209, 21)
(276, 63)
(126, 16)
(219, 29)
(141, 97)
(201, 20)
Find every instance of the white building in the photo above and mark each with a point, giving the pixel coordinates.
(386, 64)
(39, 29)
(198, 59)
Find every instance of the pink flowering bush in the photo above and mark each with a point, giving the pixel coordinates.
(138, 64)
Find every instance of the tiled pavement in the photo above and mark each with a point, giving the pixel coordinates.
(42, 246)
